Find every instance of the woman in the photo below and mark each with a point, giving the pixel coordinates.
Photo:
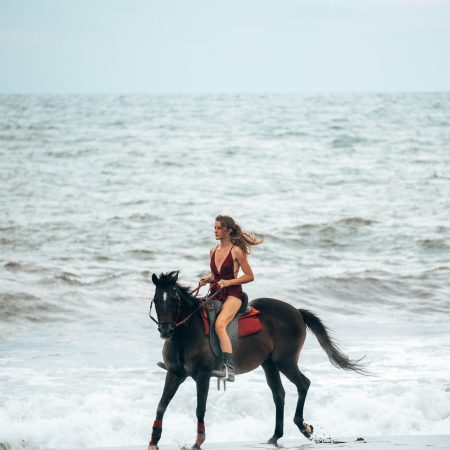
(226, 260)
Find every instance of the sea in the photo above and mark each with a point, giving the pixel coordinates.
(350, 192)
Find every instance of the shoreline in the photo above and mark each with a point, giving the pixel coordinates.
(412, 442)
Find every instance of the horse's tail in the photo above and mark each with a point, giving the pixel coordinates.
(326, 341)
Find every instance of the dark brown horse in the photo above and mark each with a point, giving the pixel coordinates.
(277, 348)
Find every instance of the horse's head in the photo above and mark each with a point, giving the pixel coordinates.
(167, 302)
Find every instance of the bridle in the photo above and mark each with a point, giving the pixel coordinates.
(176, 323)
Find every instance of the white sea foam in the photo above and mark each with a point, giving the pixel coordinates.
(108, 401)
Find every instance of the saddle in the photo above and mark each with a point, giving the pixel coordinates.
(245, 323)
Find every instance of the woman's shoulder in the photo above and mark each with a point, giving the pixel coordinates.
(212, 249)
(237, 251)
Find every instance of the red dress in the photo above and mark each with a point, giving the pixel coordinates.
(226, 273)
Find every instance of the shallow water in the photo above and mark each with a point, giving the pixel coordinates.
(352, 196)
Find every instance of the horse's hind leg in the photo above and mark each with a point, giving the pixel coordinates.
(274, 382)
(302, 383)
(171, 385)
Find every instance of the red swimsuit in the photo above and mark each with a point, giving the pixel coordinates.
(226, 273)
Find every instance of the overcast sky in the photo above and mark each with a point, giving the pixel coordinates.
(203, 46)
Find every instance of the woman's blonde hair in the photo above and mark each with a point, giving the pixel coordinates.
(238, 236)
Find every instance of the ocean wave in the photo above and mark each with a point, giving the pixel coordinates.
(113, 276)
(412, 293)
(434, 244)
(133, 202)
(192, 257)
(359, 289)
(349, 223)
(66, 278)
(357, 222)
(21, 266)
(382, 277)
(8, 137)
(288, 134)
(436, 272)
(166, 163)
(9, 228)
(72, 154)
(13, 265)
(345, 141)
(331, 235)
(20, 305)
(71, 279)
(135, 217)
(305, 240)
(102, 258)
(143, 253)
(7, 241)
(143, 217)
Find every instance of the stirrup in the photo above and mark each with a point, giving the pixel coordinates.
(223, 375)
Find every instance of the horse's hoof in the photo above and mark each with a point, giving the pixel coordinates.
(153, 447)
(307, 430)
(195, 447)
(273, 441)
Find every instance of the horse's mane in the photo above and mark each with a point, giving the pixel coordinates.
(166, 279)
(187, 292)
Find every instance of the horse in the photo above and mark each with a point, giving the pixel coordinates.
(187, 352)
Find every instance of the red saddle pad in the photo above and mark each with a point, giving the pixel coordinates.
(248, 324)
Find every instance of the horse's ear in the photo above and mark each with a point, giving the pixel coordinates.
(174, 275)
(155, 279)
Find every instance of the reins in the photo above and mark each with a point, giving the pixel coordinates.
(201, 302)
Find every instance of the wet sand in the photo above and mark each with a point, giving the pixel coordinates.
(367, 443)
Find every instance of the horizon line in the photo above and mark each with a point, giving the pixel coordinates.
(228, 93)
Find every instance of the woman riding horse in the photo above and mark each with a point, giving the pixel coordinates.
(225, 261)
(187, 352)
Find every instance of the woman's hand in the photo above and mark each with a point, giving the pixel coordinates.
(204, 280)
(224, 283)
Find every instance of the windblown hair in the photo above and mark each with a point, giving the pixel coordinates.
(238, 236)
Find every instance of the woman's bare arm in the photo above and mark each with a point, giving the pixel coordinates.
(209, 278)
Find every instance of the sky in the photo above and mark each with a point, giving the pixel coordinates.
(223, 46)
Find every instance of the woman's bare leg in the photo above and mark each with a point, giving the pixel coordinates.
(229, 309)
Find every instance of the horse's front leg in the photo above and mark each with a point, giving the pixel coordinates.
(202, 381)
(171, 385)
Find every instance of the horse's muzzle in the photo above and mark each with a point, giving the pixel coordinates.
(166, 331)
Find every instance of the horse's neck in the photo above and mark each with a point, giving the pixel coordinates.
(187, 303)
(188, 306)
